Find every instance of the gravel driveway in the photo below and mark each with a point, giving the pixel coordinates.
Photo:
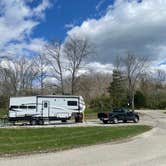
(148, 149)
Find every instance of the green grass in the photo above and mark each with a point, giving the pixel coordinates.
(28, 140)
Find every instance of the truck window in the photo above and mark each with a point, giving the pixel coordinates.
(116, 110)
(72, 103)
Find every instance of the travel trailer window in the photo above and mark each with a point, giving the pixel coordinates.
(31, 107)
(13, 107)
(45, 105)
(72, 103)
(23, 107)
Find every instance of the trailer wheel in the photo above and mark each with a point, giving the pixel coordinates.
(79, 118)
(64, 120)
(41, 122)
(12, 122)
(33, 122)
(105, 121)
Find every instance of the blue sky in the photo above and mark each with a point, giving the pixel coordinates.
(64, 13)
(113, 26)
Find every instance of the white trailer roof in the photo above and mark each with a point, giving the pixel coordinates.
(61, 96)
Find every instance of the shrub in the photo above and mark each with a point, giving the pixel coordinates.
(140, 100)
(162, 105)
(102, 103)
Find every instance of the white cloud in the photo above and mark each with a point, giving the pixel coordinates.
(96, 67)
(41, 8)
(128, 26)
(99, 4)
(17, 21)
(99, 67)
(69, 26)
(25, 47)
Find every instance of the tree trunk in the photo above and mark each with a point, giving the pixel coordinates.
(62, 86)
(73, 83)
(132, 101)
(72, 87)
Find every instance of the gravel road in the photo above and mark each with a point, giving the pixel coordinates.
(148, 149)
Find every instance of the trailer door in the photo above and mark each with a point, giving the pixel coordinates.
(45, 108)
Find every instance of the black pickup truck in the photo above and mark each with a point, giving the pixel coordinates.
(118, 114)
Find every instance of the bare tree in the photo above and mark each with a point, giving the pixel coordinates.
(134, 67)
(76, 50)
(41, 66)
(24, 71)
(8, 81)
(53, 54)
(18, 75)
(160, 76)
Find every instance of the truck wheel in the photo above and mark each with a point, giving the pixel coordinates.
(105, 121)
(136, 119)
(33, 122)
(124, 121)
(115, 120)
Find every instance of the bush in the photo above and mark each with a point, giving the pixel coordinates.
(140, 100)
(102, 103)
(162, 105)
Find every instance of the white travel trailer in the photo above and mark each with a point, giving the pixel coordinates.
(37, 109)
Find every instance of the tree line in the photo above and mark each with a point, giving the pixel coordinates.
(56, 70)
(133, 85)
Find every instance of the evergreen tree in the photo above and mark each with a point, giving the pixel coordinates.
(140, 100)
(117, 89)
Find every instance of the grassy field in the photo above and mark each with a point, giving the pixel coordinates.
(28, 140)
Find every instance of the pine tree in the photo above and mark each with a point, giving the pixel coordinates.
(117, 89)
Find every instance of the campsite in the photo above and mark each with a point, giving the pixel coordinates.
(82, 82)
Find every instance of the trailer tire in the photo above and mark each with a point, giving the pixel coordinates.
(41, 122)
(33, 122)
(12, 122)
(64, 120)
(105, 121)
(78, 118)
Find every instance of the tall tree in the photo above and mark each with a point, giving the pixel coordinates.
(76, 50)
(18, 75)
(134, 67)
(54, 57)
(41, 65)
(159, 79)
(117, 89)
